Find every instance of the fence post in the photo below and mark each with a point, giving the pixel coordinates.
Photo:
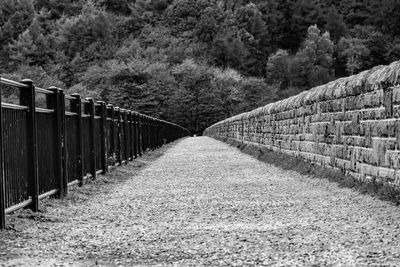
(141, 138)
(110, 115)
(135, 135)
(27, 98)
(89, 109)
(151, 133)
(102, 111)
(124, 117)
(64, 141)
(159, 134)
(2, 179)
(76, 107)
(130, 134)
(142, 134)
(145, 134)
(118, 134)
(54, 101)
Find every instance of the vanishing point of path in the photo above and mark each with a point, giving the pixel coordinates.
(205, 203)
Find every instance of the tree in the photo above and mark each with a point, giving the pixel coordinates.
(32, 47)
(376, 42)
(312, 65)
(194, 95)
(209, 24)
(58, 8)
(92, 29)
(182, 15)
(15, 18)
(228, 50)
(278, 68)
(250, 19)
(305, 13)
(353, 50)
(335, 24)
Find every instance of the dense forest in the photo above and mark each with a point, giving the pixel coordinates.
(194, 62)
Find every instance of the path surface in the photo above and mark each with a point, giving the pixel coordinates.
(205, 203)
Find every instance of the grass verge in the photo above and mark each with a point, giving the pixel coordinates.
(288, 162)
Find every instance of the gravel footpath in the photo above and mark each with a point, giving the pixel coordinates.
(205, 203)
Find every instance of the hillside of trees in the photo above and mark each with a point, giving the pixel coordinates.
(194, 62)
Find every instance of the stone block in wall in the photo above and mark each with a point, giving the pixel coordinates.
(396, 94)
(379, 147)
(388, 102)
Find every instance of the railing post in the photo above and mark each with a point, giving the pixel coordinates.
(2, 179)
(54, 101)
(76, 107)
(64, 141)
(125, 139)
(89, 109)
(103, 124)
(142, 135)
(130, 134)
(151, 133)
(110, 115)
(27, 98)
(118, 134)
(135, 134)
(145, 134)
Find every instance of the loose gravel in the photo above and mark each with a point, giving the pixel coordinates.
(204, 203)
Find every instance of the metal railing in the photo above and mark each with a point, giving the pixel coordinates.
(44, 150)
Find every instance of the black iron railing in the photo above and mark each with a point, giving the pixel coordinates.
(45, 149)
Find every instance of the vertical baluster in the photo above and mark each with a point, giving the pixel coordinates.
(110, 113)
(135, 135)
(102, 111)
(89, 109)
(140, 139)
(130, 134)
(54, 102)
(118, 134)
(76, 107)
(125, 135)
(27, 98)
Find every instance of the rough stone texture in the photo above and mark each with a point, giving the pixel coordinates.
(351, 124)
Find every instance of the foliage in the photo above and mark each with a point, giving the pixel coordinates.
(194, 62)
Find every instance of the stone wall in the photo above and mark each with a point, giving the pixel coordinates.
(351, 124)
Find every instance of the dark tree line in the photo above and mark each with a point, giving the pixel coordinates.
(194, 62)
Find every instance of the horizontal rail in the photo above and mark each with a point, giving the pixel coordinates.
(12, 83)
(18, 206)
(44, 110)
(44, 91)
(97, 117)
(13, 106)
(85, 116)
(68, 97)
(99, 171)
(48, 194)
(75, 182)
(69, 113)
